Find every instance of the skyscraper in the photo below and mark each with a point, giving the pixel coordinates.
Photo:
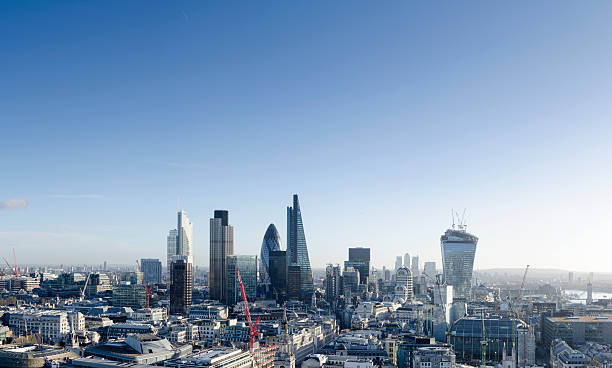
(180, 240)
(171, 246)
(403, 285)
(458, 251)
(333, 284)
(271, 242)
(299, 271)
(181, 286)
(359, 258)
(278, 274)
(247, 265)
(398, 263)
(152, 270)
(415, 267)
(407, 260)
(221, 245)
(184, 244)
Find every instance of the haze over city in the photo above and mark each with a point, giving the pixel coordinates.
(382, 117)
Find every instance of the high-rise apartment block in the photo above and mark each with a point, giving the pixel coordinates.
(221, 246)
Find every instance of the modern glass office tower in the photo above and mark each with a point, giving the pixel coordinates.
(359, 258)
(278, 274)
(221, 245)
(180, 241)
(181, 286)
(458, 251)
(247, 265)
(297, 254)
(271, 242)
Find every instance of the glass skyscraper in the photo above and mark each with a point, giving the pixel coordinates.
(271, 242)
(247, 265)
(180, 241)
(458, 251)
(297, 254)
(359, 258)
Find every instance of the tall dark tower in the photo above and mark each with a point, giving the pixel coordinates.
(221, 245)
(297, 254)
(181, 286)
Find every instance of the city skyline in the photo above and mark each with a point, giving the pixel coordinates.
(382, 118)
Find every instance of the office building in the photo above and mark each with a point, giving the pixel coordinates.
(350, 282)
(359, 259)
(152, 270)
(297, 253)
(403, 285)
(414, 267)
(217, 357)
(278, 274)
(181, 286)
(433, 357)
(577, 330)
(407, 260)
(127, 294)
(271, 242)
(171, 247)
(398, 263)
(221, 246)
(589, 299)
(180, 240)
(563, 356)
(466, 335)
(333, 284)
(247, 265)
(458, 251)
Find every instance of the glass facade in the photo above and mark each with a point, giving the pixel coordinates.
(278, 274)
(458, 251)
(297, 252)
(359, 258)
(271, 242)
(221, 245)
(247, 265)
(466, 335)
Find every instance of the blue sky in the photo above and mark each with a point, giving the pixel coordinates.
(382, 116)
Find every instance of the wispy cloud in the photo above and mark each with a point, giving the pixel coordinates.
(77, 196)
(13, 204)
(186, 17)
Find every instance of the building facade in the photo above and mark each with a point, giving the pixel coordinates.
(458, 251)
(181, 286)
(247, 265)
(359, 258)
(271, 243)
(297, 253)
(152, 270)
(278, 274)
(221, 246)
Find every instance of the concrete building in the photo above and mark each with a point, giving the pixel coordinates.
(126, 294)
(52, 325)
(433, 357)
(577, 330)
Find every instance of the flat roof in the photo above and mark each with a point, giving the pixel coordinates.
(605, 319)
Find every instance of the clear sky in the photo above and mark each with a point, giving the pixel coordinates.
(382, 116)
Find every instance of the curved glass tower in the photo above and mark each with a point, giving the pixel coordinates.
(458, 251)
(299, 276)
(271, 242)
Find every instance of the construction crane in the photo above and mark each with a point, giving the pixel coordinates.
(9, 266)
(253, 327)
(85, 286)
(148, 289)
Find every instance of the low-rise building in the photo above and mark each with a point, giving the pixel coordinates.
(221, 357)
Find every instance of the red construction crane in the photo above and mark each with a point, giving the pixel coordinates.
(147, 288)
(253, 327)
